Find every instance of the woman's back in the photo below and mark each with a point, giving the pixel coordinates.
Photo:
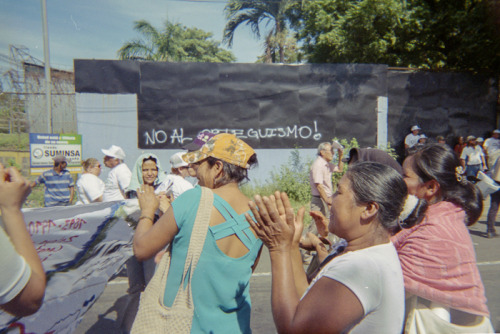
(220, 283)
(443, 268)
(89, 187)
(231, 245)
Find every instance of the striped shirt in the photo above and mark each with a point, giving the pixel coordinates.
(57, 187)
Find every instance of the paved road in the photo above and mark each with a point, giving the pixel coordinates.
(101, 319)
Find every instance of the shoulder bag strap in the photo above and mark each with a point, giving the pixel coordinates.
(198, 235)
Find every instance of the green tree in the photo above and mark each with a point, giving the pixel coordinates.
(339, 31)
(174, 43)
(434, 34)
(458, 34)
(255, 13)
(292, 53)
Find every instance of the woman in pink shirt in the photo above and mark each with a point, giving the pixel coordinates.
(437, 255)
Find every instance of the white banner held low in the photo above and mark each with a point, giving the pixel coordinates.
(81, 247)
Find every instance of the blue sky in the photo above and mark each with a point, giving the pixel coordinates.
(96, 29)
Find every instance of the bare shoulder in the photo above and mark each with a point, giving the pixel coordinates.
(235, 198)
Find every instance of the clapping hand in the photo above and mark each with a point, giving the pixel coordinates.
(275, 222)
(321, 223)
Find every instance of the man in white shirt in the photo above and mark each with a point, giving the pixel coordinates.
(412, 139)
(320, 180)
(492, 151)
(492, 148)
(174, 183)
(320, 177)
(118, 177)
(472, 158)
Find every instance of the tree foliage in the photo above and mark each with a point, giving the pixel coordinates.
(433, 34)
(256, 13)
(174, 43)
(291, 51)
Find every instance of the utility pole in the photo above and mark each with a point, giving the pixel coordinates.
(48, 83)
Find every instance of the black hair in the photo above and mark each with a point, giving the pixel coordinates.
(233, 173)
(381, 184)
(152, 159)
(440, 163)
(353, 156)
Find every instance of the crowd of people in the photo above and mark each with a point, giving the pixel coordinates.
(473, 151)
(390, 242)
(478, 161)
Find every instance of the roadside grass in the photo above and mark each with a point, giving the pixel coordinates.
(16, 141)
(20, 142)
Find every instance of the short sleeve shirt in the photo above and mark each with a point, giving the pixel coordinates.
(492, 145)
(472, 155)
(15, 272)
(117, 182)
(175, 185)
(411, 140)
(321, 173)
(375, 276)
(89, 187)
(57, 187)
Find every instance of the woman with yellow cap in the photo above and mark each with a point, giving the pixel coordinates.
(220, 280)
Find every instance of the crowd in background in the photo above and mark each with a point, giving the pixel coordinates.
(391, 223)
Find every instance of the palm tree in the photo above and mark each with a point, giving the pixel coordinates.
(291, 51)
(147, 48)
(175, 43)
(255, 12)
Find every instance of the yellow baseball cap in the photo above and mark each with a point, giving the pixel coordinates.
(224, 146)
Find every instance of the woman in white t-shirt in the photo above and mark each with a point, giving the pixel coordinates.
(360, 287)
(89, 186)
(472, 159)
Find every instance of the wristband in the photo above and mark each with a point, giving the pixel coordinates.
(146, 217)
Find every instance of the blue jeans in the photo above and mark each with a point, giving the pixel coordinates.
(471, 171)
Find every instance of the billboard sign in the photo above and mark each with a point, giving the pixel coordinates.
(45, 146)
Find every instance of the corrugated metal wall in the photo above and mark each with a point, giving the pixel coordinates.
(63, 100)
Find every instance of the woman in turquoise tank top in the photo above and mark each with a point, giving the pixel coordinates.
(220, 281)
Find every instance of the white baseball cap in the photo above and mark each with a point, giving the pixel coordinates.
(176, 160)
(415, 127)
(114, 152)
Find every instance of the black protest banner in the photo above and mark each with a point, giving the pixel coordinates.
(269, 106)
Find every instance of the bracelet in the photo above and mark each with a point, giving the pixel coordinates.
(146, 217)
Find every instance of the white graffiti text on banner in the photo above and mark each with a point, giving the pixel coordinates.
(295, 131)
